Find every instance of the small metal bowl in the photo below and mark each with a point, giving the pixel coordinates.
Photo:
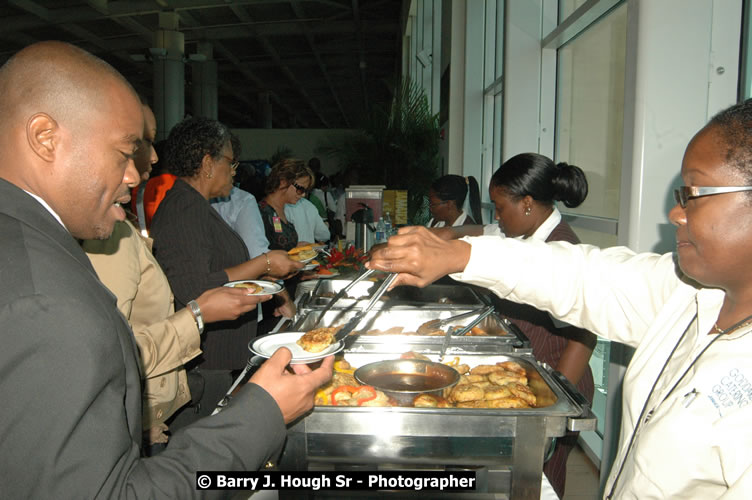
(403, 379)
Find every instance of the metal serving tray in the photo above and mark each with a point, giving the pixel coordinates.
(500, 330)
(436, 296)
(506, 447)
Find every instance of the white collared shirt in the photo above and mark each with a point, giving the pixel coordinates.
(49, 208)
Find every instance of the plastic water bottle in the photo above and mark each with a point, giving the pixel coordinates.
(388, 228)
(380, 231)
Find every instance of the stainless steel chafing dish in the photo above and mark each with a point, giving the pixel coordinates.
(432, 296)
(410, 318)
(505, 447)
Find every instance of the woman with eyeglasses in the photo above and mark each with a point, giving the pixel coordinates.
(446, 199)
(198, 250)
(687, 400)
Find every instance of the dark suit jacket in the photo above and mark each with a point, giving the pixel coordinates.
(194, 246)
(70, 426)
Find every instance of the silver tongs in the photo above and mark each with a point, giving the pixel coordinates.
(451, 332)
(342, 292)
(350, 325)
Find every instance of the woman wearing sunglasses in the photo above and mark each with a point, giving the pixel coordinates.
(688, 389)
(197, 250)
(288, 182)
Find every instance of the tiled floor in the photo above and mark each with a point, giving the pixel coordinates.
(582, 477)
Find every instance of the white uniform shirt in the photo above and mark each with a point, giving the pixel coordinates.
(698, 440)
(457, 222)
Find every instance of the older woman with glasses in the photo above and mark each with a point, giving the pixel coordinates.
(688, 388)
(198, 250)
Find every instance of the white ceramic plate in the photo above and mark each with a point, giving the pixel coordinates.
(269, 287)
(268, 344)
(309, 259)
(309, 267)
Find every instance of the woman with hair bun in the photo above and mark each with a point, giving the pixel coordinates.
(523, 191)
(447, 197)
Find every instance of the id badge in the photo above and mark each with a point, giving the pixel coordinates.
(277, 224)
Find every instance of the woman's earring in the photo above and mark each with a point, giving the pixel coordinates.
(528, 211)
(210, 174)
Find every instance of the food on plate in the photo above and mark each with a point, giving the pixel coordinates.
(301, 248)
(304, 255)
(317, 340)
(252, 287)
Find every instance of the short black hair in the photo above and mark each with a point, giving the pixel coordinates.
(192, 139)
(534, 175)
(734, 127)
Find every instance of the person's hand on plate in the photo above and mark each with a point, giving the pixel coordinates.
(225, 303)
(282, 266)
(420, 256)
(293, 392)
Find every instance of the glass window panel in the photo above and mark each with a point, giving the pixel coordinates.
(590, 101)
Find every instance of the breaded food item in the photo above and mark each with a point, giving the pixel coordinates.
(301, 248)
(466, 392)
(304, 255)
(252, 287)
(503, 377)
(317, 340)
(512, 366)
(522, 392)
(484, 369)
(381, 399)
(511, 402)
(414, 355)
(496, 392)
(430, 401)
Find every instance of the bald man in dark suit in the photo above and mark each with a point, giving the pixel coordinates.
(69, 377)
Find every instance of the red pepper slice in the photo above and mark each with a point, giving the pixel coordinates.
(373, 394)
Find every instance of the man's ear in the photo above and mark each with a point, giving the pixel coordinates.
(41, 132)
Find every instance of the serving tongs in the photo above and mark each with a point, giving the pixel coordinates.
(451, 332)
(342, 292)
(439, 324)
(350, 325)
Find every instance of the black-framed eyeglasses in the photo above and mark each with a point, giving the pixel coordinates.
(233, 163)
(685, 193)
(300, 189)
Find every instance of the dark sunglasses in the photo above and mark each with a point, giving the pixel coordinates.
(300, 189)
(685, 193)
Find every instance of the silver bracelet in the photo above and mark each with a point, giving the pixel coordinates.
(196, 310)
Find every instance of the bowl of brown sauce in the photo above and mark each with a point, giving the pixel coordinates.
(404, 379)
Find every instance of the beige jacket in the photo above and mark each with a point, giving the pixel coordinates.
(166, 340)
(696, 438)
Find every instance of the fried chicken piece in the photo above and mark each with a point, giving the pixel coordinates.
(253, 288)
(430, 401)
(317, 340)
(511, 402)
